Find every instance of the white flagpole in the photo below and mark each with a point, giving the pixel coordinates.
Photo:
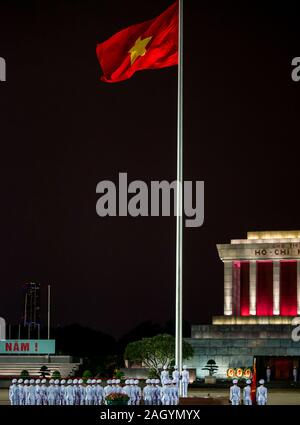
(179, 199)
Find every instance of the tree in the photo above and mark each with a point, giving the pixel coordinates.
(44, 372)
(87, 374)
(211, 367)
(156, 352)
(56, 374)
(24, 374)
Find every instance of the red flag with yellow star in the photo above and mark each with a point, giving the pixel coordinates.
(149, 45)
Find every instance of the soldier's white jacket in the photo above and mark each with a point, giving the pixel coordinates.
(235, 393)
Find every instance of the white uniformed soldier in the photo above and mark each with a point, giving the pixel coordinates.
(26, 388)
(247, 401)
(147, 393)
(51, 393)
(38, 394)
(138, 392)
(99, 393)
(127, 389)
(165, 393)
(164, 375)
(70, 393)
(21, 392)
(43, 392)
(261, 394)
(176, 375)
(185, 379)
(235, 393)
(13, 393)
(31, 393)
(81, 391)
(89, 393)
(157, 392)
(174, 392)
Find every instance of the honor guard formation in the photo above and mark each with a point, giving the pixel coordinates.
(236, 398)
(62, 392)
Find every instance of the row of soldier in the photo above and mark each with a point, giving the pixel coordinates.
(235, 396)
(75, 392)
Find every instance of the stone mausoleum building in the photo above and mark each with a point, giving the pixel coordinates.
(261, 299)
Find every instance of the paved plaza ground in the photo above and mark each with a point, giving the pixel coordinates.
(276, 396)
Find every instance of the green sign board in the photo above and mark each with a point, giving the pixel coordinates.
(27, 346)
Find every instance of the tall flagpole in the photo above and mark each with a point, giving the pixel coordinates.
(179, 198)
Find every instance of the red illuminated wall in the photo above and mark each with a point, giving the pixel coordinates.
(244, 288)
(288, 288)
(264, 288)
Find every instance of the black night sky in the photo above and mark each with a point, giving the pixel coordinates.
(62, 131)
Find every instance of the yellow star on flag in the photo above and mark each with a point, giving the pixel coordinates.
(139, 49)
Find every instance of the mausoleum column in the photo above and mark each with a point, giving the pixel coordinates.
(276, 287)
(252, 287)
(228, 288)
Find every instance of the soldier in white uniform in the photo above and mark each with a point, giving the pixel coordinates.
(176, 375)
(147, 393)
(81, 391)
(43, 392)
(57, 392)
(26, 387)
(99, 393)
(165, 393)
(126, 389)
(70, 393)
(268, 374)
(62, 393)
(261, 394)
(164, 376)
(295, 374)
(13, 393)
(247, 401)
(51, 393)
(157, 392)
(38, 394)
(174, 392)
(31, 400)
(185, 379)
(21, 392)
(235, 393)
(89, 393)
(138, 392)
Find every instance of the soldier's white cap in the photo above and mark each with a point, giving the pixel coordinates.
(44, 381)
(153, 381)
(89, 381)
(127, 381)
(184, 366)
(175, 367)
(261, 381)
(31, 381)
(157, 381)
(26, 381)
(136, 381)
(80, 381)
(109, 381)
(69, 381)
(131, 381)
(38, 381)
(20, 381)
(63, 381)
(94, 381)
(235, 381)
(148, 381)
(165, 367)
(248, 381)
(99, 381)
(56, 382)
(51, 381)
(75, 381)
(14, 381)
(118, 381)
